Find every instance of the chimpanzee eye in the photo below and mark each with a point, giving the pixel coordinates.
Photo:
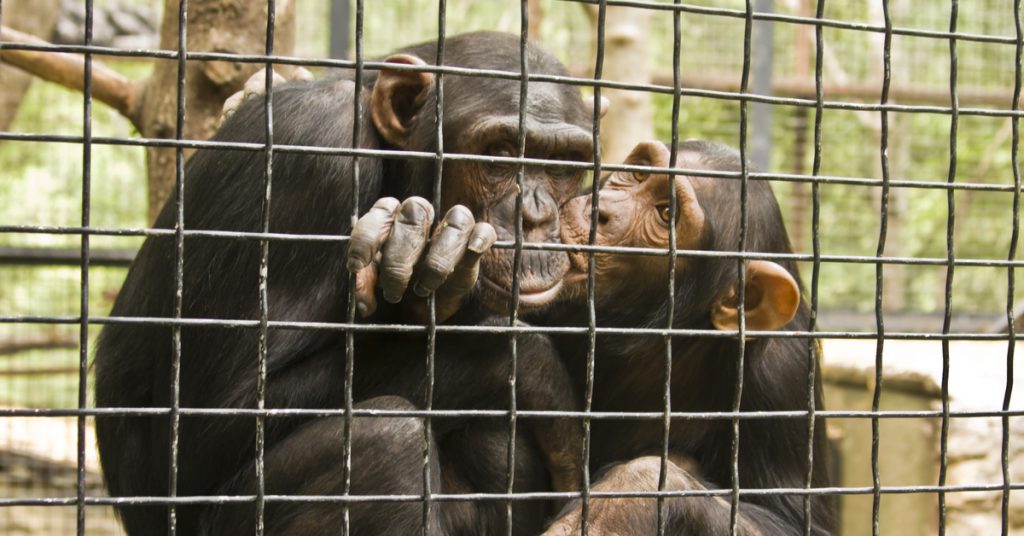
(664, 213)
(501, 150)
(641, 175)
(560, 172)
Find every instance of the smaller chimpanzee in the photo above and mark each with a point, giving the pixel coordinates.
(634, 210)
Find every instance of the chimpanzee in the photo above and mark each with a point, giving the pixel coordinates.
(629, 370)
(313, 194)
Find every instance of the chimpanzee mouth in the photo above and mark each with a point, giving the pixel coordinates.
(527, 296)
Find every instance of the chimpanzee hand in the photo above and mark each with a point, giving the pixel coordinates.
(392, 245)
(257, 84)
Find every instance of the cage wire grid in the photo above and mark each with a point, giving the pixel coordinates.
(733, 492)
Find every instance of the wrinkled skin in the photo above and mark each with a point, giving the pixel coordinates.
(634, 211)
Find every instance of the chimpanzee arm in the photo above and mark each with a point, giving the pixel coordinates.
(311, 194)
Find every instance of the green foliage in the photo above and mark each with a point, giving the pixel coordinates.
(42, 185)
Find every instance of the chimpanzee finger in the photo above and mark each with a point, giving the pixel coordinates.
(463, 277)
(231, 104)
(254, 85)
(403, 249)
(370, 233)
(257, 83)
(446, 248)
(365, 290)
(301, 73)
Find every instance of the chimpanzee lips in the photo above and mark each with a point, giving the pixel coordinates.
(528, 294)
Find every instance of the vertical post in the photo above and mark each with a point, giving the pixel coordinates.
(339, 32)
(761, 84)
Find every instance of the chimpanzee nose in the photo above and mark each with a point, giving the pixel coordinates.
(539, 210)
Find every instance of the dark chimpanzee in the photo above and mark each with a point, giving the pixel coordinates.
(314, 194)
(629, 372)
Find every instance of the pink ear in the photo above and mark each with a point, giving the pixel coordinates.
(649, 153)
(772, 299)
(397, 96)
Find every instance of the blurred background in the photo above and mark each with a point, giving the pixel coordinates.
(41, 184)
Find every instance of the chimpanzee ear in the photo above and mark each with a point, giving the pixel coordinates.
(649, 153)
(772, 299)
(397, 97)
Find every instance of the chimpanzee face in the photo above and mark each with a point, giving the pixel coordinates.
(634, 211)
(481, 118)
(488, 188)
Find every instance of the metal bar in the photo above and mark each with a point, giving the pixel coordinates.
(588, 394)
(498, 497)
(950, 256)
(521, 329)
(83, 351)
(431, 357)
(517, 258)
(671, 290)
(350, 342)
(813, 346)
(879, 268)
(741, 338)
(1011, 327)
(179, 269)
(44, 256)
(264, 273)
(480, 413)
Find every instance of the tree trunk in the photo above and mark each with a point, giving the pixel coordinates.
(230, 26)
(536, 14)
(626, 59)
(35, 17)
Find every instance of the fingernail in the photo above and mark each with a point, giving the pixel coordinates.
(478, 245)
(362, 308)
(420, 290)
(390, 298)
(354, 264)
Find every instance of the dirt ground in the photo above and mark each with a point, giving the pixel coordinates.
(38, 460)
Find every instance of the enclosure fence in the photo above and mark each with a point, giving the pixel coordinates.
(85, 501)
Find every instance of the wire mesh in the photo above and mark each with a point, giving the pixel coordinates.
(887, 260)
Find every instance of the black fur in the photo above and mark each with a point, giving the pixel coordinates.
(312, 194)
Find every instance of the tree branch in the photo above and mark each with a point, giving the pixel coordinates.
(42, 342)
(108, 86)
